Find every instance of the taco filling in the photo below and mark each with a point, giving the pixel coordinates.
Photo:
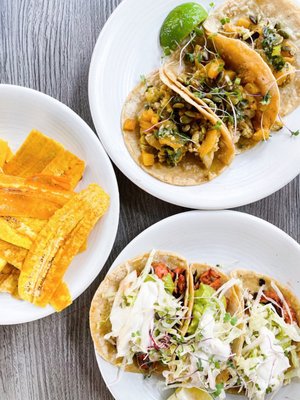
(147, 314)
(206, 73)
(171, 128)
(177, 141)
(204, 359)
(269, 356)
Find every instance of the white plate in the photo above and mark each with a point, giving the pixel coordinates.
(128, 48)
(22, 110)
(229, 238)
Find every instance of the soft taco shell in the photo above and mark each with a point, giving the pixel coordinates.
(189, 171)
(103, 300)
(285, 11)
(250, 68)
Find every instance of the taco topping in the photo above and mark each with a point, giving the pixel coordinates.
(238, 104)
(205, 354)
(211, 278)
(175, 281)
(270, 347)
(172, 130)
(285, 310)
(145, 315)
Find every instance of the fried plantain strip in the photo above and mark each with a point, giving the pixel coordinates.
(59, 182)
(28, 227)
(61, 298)
(9, 280)
(58, 242)
(3, 152)
(9, 154)
(10, 235)
(33, 156)
(12, 254)
(21, 197)
(2, 264)
(66, 165)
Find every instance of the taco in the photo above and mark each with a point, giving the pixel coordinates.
(272, 29)
(205, 359)
(171, 137)
(230, 80)
(139, 311)
(270, 352)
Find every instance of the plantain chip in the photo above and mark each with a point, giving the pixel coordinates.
(28, 227)
(66, 165)
(9, 278)
(61, 298)
(58, 242)
(3, 152)
(9, 154)
(10, 235)
(20, 197)
(12, 254)
(33, 156)
(2, 264)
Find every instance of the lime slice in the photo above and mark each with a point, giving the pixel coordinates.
(190, 394)
(179, 23)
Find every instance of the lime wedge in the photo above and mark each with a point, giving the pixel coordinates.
(190, 394)
(179, 23)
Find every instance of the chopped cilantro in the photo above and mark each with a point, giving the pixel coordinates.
(266, 99)
(217, 125)
(143, 79)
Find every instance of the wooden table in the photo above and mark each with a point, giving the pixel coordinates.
(47, 45)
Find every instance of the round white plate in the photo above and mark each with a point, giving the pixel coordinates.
(22, 110)
(229, 238)
(128, 48)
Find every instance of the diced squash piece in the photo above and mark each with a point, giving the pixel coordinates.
(12, 254)
(129, 124)
(21, 197)
(61, 298)
(261, 134)
(155, 119)
(167, 141)
(33, 156)
(57, 244)
(147, 159)
(210, 141)
(146, 115)
(214, 67)
(285, 75)
(3, 152)
(145, 126)
(231, 74)
(252, 88)
(244, 22)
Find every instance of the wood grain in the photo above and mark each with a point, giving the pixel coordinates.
(47, 45)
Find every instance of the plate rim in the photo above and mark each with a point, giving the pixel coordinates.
(235, 214)
(96, 59)
(116, 202)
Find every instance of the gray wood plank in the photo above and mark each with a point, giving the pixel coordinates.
(47, 45)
